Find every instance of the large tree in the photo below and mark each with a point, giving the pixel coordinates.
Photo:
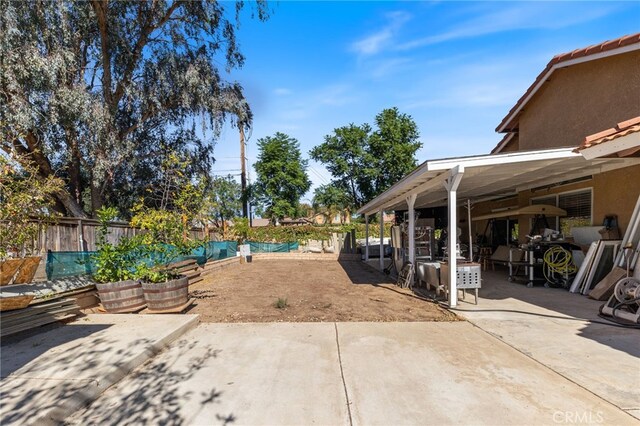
(87, 88)
(344, 154)
(281, 176)
(364, 163)
(330, 200)
(225, 199)
(392, 148)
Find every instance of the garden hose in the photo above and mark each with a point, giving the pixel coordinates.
(558, 260)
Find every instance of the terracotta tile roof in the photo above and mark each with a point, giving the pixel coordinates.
(507, 122)
(623, 128)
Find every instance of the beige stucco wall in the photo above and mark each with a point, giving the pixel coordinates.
(581, 100)
(614, 192)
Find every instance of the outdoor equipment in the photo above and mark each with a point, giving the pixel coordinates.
(624, 303)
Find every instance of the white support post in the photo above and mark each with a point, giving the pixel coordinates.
(411, 203)
(366, 237)
(381, 240)
(452, 183)
(470, 232)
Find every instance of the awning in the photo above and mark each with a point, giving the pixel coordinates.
(490, 176)
(532, 210)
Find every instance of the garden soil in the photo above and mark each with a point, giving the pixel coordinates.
(314, 291)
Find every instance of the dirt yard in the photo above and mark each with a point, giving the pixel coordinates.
(314, 291)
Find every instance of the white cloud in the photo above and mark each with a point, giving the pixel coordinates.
(382, 38)
(520, 16)
(282, 91)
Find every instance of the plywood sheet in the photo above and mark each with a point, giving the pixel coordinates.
(604, 289)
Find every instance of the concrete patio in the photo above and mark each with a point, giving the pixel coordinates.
(48, 375)
(346, 373)
(563, 332)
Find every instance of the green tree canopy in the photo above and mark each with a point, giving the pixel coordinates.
(281, 176)
(392, 148)
(90, 89)
(344, 154)
(226, 202)
(364, 163)
(331, 200)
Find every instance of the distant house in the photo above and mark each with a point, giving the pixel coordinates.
(258, 222)
(335, 219)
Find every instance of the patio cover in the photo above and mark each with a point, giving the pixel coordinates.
(490, 176)
(534, 209)
(437, 183)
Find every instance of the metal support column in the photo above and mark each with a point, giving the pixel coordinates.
(411, 202)
(452, 183)
(366, 237)
(381, 240)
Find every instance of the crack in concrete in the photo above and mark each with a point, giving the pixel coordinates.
(344, 384)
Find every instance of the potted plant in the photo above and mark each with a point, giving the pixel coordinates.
(115, 269)
(166, 238)
(25, 208)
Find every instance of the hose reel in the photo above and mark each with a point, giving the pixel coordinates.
(627, 291)
(624, 303)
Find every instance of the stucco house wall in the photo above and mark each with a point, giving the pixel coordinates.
(578, 101)
(581, 100)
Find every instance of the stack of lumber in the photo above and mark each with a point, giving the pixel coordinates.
(37, 315)
(188, 268)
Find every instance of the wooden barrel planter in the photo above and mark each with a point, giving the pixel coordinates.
(168, 295)
(121, 296)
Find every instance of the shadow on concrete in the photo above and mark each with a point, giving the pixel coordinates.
(570, 307)
(16, 355)
(46, 376)
(153, 394)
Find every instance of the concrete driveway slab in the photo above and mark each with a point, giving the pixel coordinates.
(454, 373)
(562, 331)
(394, 373)
(49, 375)
(257, 374)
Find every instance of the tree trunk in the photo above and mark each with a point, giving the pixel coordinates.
(73, 168)
(45, 170)
(96, 198)
(73, 208)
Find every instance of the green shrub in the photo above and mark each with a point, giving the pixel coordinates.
(281, 303)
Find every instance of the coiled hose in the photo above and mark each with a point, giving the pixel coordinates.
(558, 260)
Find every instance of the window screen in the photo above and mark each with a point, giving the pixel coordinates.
(578, 207)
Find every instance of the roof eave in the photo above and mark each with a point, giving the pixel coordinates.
(507, 122)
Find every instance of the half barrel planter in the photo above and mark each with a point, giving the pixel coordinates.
(168, 295)
(122, 296)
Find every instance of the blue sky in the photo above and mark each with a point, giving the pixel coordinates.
(455, 67)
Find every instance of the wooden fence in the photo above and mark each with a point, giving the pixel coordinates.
(76, 234)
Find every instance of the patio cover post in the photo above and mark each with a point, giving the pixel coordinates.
(366, 237)
(470, 232)
(451, 184)
(411, 202)
(381, 240)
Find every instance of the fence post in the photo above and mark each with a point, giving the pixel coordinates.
(80, 234)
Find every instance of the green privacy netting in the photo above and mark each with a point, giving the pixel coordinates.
(256, 247)
(62, 264)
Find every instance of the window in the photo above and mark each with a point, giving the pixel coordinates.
(578, 207)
